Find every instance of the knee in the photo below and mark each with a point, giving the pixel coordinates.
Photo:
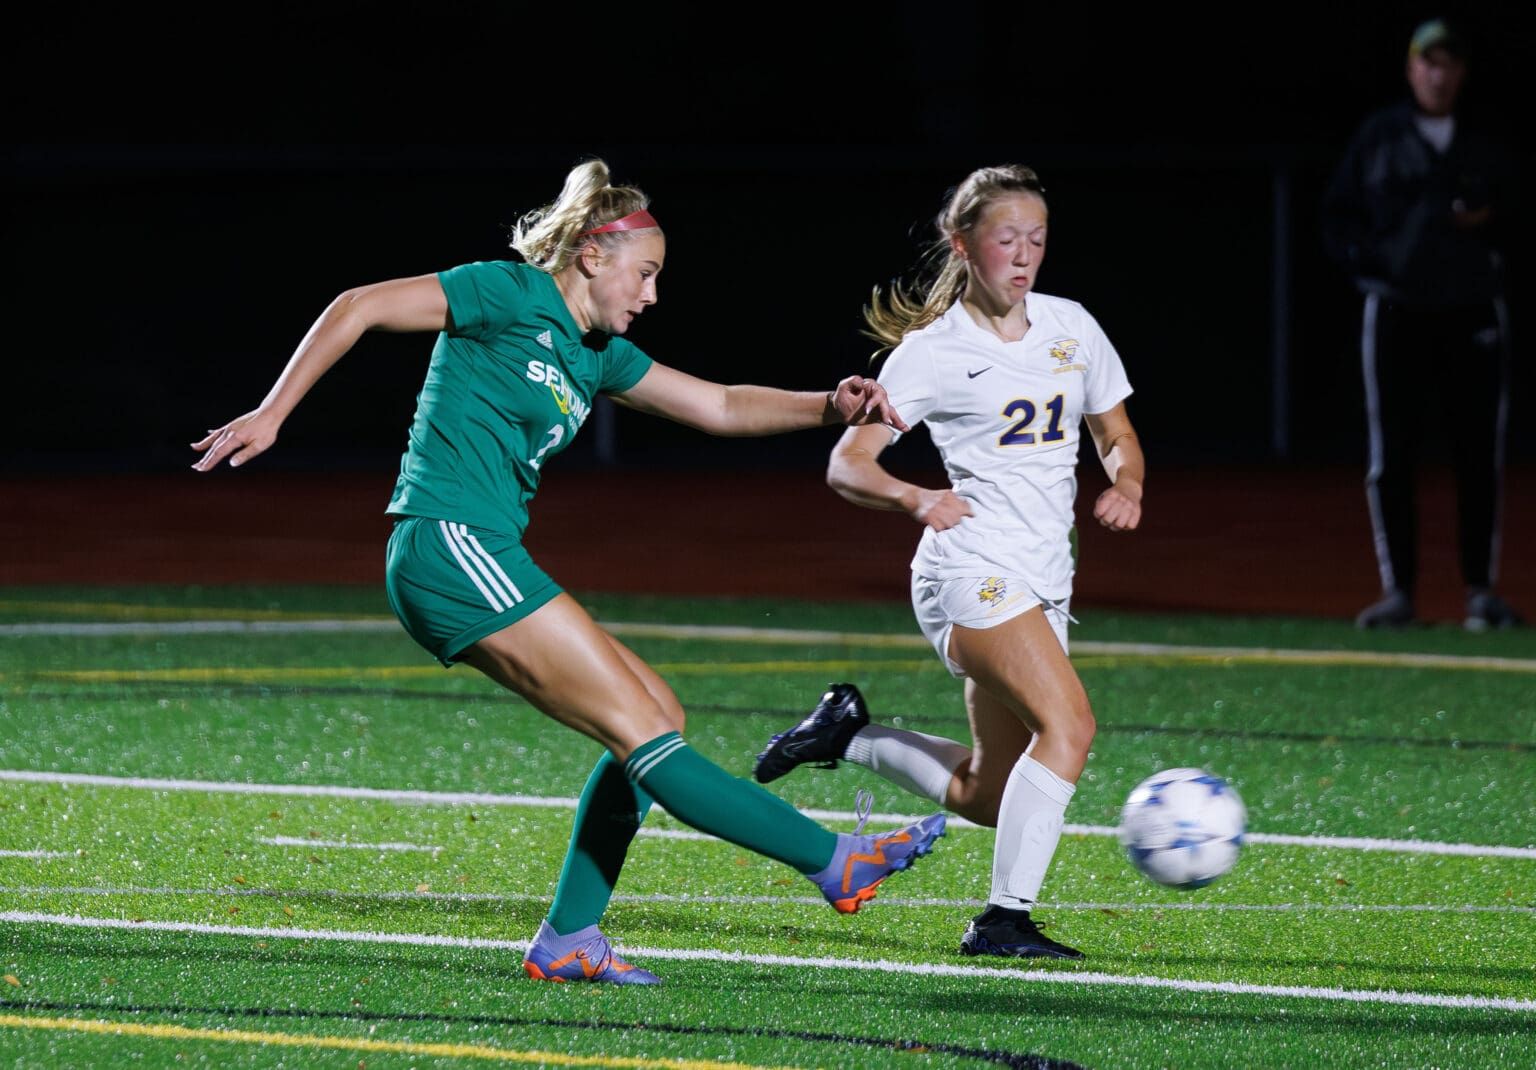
(658, 716)
(1077, 729)
(627, 720)
(667, 710)
(1087, 728)
(671, 711)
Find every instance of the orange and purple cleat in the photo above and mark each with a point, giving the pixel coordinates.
(860, 863)
(584, 955)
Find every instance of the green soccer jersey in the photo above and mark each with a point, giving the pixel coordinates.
(510, 384)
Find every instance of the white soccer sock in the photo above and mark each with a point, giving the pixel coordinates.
(922, 764)
(1028, 829)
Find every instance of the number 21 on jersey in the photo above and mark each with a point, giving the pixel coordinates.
(1023, 412)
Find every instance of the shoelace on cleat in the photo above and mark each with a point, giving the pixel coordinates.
(863, 803)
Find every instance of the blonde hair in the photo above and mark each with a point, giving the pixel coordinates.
(913, 305)
(550, 237)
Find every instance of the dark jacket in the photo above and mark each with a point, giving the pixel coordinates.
(1388, 216)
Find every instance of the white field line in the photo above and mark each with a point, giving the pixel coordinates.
(460, 798)
(219, 787)
(1348, 843)
(674, 834)
(37, 854)
(303, 841)
(1411, 999)
(732, 633)
(886, 902)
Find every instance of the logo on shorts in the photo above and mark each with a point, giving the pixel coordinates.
(992, 591)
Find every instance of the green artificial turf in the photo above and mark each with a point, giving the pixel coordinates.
(263, 848)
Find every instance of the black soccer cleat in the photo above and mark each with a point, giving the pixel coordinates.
(1011, 934)
(1393, 610)
(821, 738)
(1487, 610)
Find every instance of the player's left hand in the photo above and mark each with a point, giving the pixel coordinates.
(859, 400)
(1117, 509)
(239, 440)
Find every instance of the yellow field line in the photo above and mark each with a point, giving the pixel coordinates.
(232, 674)
(841, 666)
(226, 674)
(128, 611)
(844, 665)
(298, 1040)
(1359, 658)
(1084, 652)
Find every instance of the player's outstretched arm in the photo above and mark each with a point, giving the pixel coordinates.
(756, 410)
(855, 472)
(414, 304)
(1119, 507)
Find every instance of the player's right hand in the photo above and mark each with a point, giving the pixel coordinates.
(239, 440)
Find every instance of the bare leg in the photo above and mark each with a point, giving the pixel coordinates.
(608, 815)
(1022, 665)
(573, 671)
(971, 780)
(1019, 667)
(568, 667)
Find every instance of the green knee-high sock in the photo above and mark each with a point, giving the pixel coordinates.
(698, 792)
(607, 818)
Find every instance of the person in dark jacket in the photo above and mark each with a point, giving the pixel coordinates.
(1416, 214)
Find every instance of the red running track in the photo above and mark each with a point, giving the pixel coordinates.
(1222, 540)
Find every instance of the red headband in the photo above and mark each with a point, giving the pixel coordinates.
(640, 220)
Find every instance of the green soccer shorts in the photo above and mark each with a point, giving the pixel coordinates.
(453, 585)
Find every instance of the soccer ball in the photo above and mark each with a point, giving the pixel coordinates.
(1183, 828)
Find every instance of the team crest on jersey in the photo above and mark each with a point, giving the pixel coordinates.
(1065, 352)
(544, 339)
(992, 591)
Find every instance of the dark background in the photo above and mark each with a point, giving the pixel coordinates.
(189, 186)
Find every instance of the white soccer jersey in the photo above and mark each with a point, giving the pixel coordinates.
(1005, 417)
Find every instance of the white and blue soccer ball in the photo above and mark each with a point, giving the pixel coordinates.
(1183, 828)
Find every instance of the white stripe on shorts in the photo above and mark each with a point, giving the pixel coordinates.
(472, 543)
(493, 594)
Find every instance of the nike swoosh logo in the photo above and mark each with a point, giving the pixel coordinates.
(972, 375)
